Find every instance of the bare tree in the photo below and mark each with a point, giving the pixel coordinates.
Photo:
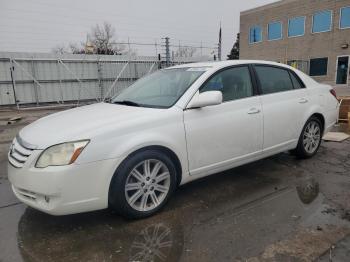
(185, 51)
(100, 40)
(102, 37)
(77, 49)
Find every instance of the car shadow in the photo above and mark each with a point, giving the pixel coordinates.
(105, 236)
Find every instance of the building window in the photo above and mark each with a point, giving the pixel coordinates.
(318, 66)
(255, 35)
(322, 22)
(301, 65)
(345, 17)
(274, 31)
(296, 26)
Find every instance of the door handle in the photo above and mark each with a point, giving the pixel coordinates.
(303, 100)
(253, 111)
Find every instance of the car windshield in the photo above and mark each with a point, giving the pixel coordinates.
(161, 89)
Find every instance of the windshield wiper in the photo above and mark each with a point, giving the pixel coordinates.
(127, 102)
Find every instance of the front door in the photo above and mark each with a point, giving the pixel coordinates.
(222, 135)
(342, 70)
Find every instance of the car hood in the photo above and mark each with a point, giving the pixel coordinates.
(81, 123)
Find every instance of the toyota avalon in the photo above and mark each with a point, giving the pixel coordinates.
(167, 129)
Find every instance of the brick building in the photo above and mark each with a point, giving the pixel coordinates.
(312, 35)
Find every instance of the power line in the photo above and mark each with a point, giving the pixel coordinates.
(88, 28)
(71, 33)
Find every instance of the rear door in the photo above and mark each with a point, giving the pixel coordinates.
(284, 101)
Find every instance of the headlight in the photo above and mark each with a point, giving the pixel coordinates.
(61, 154)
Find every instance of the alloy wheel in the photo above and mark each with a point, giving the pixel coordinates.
(311, 137)
(147, 185)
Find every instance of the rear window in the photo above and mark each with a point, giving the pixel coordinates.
(296, 83)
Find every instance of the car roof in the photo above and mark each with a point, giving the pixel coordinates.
(221, 64)
(217, 65)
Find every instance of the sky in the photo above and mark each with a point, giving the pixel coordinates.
(40, 25)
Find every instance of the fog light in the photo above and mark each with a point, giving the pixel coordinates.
(47, 199)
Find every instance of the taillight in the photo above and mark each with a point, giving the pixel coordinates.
(332, 91)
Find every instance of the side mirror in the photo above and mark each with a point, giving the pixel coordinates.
(209, 98)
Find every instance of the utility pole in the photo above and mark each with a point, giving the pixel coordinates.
(219, 52)
(156, 46)
(220, 44)
(129, 49)
(167, 51)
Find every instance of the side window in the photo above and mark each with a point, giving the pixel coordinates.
(234, 83)
(296, 82)
(273, 79)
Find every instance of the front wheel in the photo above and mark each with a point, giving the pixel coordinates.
(310, 138)
(142, 184)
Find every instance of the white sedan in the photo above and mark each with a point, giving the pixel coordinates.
(169, 128)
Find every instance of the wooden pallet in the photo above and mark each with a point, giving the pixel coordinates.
(344, 110)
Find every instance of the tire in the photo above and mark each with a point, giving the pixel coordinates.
(306, 149)
(133, 194)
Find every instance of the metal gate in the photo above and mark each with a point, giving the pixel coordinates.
(30, 80)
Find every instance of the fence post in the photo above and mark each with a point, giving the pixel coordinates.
(115, 82)
(60, 80)
(129, 73)
(136, 72)
(34, 84)
(151, 68)
(159, 61)
(99, 75)
(12, 70)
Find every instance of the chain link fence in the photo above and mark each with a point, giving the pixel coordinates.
(37, 79)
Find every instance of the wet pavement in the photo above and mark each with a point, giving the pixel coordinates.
(276, 209)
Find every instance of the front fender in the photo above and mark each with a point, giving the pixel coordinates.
(119, 144)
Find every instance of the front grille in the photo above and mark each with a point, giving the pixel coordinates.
(18, 154)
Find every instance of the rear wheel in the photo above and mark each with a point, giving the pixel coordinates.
(310, 138)
(142, 184)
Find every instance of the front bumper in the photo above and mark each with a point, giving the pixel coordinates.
(62, 190)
